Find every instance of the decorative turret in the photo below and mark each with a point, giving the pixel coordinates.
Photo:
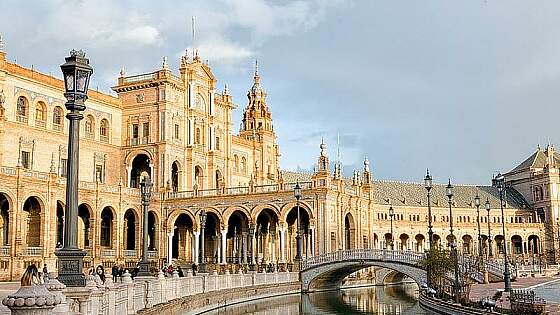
(323, 164)
(257, 115)
(550, 160)
(337, 171)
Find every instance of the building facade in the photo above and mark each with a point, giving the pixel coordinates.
(177, 128)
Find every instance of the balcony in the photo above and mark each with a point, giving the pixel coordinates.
(57, 127)
(5, 250)
(128, 253)
(21, 119)
(104, 138)
(32, 251)
(89, 135)
(107, 253)
(40, 123)
(152, 254)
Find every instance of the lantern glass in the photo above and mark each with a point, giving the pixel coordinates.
(297, 191)
(82, 81)
(477, 200)
(69, 78)
(428, 181)
(487, 204)
(391, 211)
(449, 189)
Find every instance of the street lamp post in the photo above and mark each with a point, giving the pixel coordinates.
(489, 231)
(202, 258)
(499, 182)
(482, 265)
(297, 194)
(428, 185)
(76, 71)
(455, 257)
(391, 215)
(146, 192)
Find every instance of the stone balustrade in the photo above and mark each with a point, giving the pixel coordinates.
(129, 297)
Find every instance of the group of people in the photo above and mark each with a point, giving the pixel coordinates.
(118, 271)
(32, 275)
(168, 270)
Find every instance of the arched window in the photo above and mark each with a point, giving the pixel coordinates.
(243, 165)
(235, 163)
(40, 112)
(57, 118)
(197, 136)
(22, 109)
(104, 130)
(217, 143)
(89, 126)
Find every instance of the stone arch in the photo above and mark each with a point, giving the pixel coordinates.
(131, 226)
(258, 208)
(198, 177)
(140, 163)
(5, 209)
(403, 241)
(467, 244)
(420, 242)
(238, 222)
(267, 226)
(533, 244)
(40, 111)
(212, 233)
(175, 214)
(153, 229)
(107, 235)
(183, 230)
(33, 211)
(349, 231)
(516, 245)
(22, 105)
(230, 210)
(85, 213)
(285, 209)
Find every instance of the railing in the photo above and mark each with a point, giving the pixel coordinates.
(107, 253)
(5, 250)
(89, 252)
(266, 188)
(57, 127)
(208, 192)
(21, 119)
(236, 190)
(32, 251)
(104, 138)
(129, 253)
(152, 254)
(140, 77)
(40, 123)
(242, 190)
(408, 257)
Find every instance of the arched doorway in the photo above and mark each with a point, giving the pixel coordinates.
(218, 179)
(5, 217)
(59, 224)
(499, 241)
(140, 164)
(182, 243)
(436, 239)
(375, 241)
(83, 226)
(237, 234)
(349, 232)
(198, 177)
(267, 222)
(451, 240)
(152, 231)
(291, 220)
(419, 246)
(32, 217)
(517, 245)
(130, 227)
(175, 176)
(533, 244)
(212, 238)
(106, 237)
(467, 244)
(403, 242)
(389, 241)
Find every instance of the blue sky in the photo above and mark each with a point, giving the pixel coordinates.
(466, 88)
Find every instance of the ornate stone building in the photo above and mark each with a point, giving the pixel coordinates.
(177, 128)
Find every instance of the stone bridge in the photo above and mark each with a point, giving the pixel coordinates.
(324, 272)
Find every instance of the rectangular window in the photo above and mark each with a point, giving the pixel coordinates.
(26, 159)
(99, 173)
(135, 131)
(63, 167)
(176, 134)
(146, 129)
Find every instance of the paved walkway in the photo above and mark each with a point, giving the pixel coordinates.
(478, 291)
(7, 288)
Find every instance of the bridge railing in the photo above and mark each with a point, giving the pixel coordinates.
(408, 257)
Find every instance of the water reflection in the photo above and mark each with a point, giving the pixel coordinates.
(398, 299)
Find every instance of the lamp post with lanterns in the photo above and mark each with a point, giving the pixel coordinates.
(428, 185)
(297, 195)
(489, 231)
(146, 192)
(391, 215)
(202, 260)
(499, 183)
(455, 256)
(76, 72)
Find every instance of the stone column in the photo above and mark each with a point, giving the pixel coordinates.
(196, 244)
(313, 229)
(129, 173)
(224, 244)
(169, 248)
(282, 245)
(253, 246)
(244, 247)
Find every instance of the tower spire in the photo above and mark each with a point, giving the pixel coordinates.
(256, 77)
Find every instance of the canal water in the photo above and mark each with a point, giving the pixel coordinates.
(388, 300)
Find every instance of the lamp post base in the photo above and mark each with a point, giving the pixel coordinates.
(70, 266)
(143, 269)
